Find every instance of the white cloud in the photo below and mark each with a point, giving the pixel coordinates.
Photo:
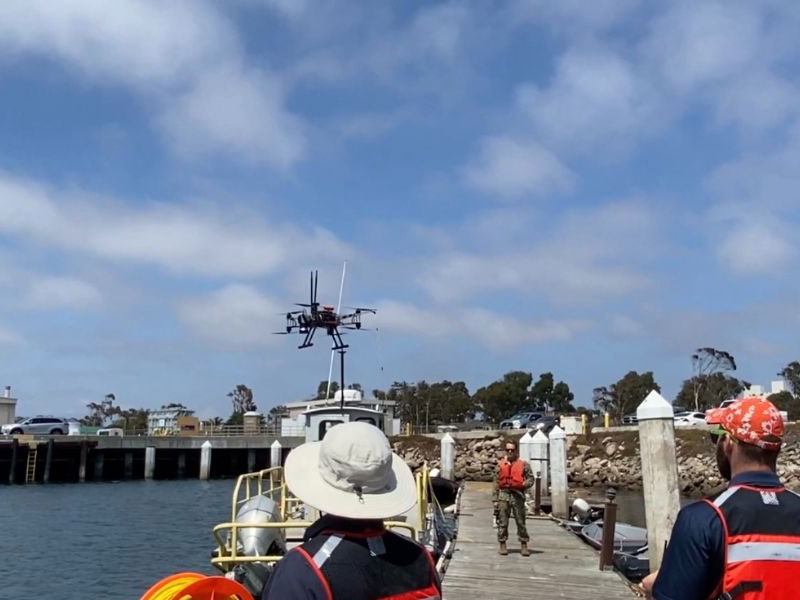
(201, 239)
(757, 248)
(62, 292)
(237, 316)
(182, 57)
(487, 327)
(587, 256)
(573, 16)
(625, 326)
(596, 100)
(509, 168)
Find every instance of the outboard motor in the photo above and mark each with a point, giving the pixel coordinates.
(582, 512)
(258, 541)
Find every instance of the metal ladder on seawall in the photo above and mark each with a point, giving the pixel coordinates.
(30, 473)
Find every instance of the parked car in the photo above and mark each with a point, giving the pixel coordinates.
(630, 419)
(544, 423)
(520, 420)
(38, 426)
(690, 419)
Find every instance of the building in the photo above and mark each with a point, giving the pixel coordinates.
(8, 407)
(167, 421)
(781, 385)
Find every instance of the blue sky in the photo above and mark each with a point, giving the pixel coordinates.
(582, 188)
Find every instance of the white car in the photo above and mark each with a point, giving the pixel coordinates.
(691, 419)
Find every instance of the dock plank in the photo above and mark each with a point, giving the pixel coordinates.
(561, 565)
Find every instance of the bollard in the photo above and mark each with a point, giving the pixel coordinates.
(609, 530)
(607, 420)
(659, 472)
(584, 424)
(275, 451)
(448, 456)
(558, 473)
(205, 460)
(82, 463)
(13, 468)
(48, 460)
(540, 449)
(537, 494)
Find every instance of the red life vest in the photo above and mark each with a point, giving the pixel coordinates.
(511, 475)
(762, 543)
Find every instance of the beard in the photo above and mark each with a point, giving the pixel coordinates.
(723, 462)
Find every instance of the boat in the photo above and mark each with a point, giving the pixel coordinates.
(634, 565)
(627, 538)
(267, 521)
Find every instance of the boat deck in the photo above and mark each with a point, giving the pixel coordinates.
(560, 566)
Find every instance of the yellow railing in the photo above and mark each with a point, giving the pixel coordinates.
(270, 483)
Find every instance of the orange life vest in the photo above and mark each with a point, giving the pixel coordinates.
(762, 543)
(511, 475)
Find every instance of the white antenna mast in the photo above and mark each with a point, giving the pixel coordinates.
(333, 352)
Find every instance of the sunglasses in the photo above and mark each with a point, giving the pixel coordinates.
(511, 449)
(716, 433)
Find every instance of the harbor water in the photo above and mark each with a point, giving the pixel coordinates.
(106, 540)
(114, 540)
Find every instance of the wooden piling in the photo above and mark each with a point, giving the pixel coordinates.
(275, 454)
(659, 472)
(48, 460)
(99, 459)
(205, 460)
(82, 464)
(251, 460)
(540, 449)
(149, 462)
(609, 529)
(128, 469)
(558, 473)
(14, 453)
(537, 495)
(181, 465)
(448, 456)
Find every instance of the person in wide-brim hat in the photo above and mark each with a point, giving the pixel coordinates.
(356, 481)
(351, 473)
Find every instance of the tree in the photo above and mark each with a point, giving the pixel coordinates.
(713, 389)
(379, 394)
(505, 397)
(242, 399)
(625, 395)
(276, 413)
(322, 389)
(132, 419)
(788, 402)
(176, 405)
(546, 396)
(101, 413)
(706, 361)
(791, 373)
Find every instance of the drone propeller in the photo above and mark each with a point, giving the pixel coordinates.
(361, 309)
(280, 333)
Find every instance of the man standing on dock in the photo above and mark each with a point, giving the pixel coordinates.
(745, 543)
(513, 479)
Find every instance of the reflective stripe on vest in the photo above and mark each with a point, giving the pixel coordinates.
(511, 475)
(324, 553)
(763, 551)
(761, 526)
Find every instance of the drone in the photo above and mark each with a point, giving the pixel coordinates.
(315, 316)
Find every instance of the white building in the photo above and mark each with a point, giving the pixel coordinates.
(165, 420)
(296, 422)
(8, 407)
(776, 387)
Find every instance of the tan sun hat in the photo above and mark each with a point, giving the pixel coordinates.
(351, 473)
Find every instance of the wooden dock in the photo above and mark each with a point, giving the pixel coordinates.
(560, 566)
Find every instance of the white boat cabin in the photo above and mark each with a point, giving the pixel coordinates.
(320, 420)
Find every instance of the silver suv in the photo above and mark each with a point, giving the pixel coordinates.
(38, 426)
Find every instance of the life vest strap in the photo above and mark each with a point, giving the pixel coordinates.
(739, 589)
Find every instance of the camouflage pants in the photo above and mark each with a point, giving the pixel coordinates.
(512, 503)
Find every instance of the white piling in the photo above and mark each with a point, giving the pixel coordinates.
(205, 460)
(539, 453)
(659, 472)
(526, 447)
(558, 473)
(275, 451)
(448, 456)
(149, 462)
